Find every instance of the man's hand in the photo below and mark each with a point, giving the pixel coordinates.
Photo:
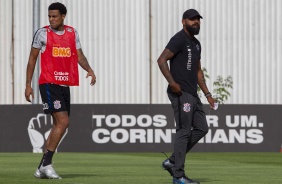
(93, 77)
(28, 92)
(175, 88)
(211, 101)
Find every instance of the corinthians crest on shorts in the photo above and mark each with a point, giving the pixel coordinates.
(186, 107)
(57, 104)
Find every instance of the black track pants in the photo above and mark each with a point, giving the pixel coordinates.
(191, 126)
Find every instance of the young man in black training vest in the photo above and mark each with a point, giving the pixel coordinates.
(185, 73)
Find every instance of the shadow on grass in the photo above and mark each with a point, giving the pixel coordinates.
(204, 180)
(75, 175)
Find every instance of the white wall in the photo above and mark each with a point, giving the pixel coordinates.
(241, 38)
(23, 31)
(6, 85)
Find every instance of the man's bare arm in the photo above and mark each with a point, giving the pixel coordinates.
(162, 62)
(82, 61)
(201, 79)
(31, 64)
(202, 84)
(29, 73)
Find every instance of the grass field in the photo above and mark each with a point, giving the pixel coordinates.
(144, 168)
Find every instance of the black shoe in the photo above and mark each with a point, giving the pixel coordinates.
(168, 165)
(184, 180)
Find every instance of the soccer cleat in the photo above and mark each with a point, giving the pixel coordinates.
(168, 165)
(39, 174)
(184, 180)
(49, 172)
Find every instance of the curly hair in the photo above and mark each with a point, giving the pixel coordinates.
(58, 6)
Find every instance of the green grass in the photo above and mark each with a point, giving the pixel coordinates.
(144, 168)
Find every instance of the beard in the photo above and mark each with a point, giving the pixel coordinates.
(193, 30)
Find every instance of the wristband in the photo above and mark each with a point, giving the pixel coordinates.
(208, 94)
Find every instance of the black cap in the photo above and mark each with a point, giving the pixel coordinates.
(191, 13)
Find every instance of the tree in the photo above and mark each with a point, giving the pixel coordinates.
(221, 87)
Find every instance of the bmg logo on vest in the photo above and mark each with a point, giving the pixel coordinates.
(122, 129)
(61, 52)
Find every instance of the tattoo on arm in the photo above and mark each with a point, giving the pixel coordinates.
(162, 61)
(201, 79)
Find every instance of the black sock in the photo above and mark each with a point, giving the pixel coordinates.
(48, 158)
(41, 160)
